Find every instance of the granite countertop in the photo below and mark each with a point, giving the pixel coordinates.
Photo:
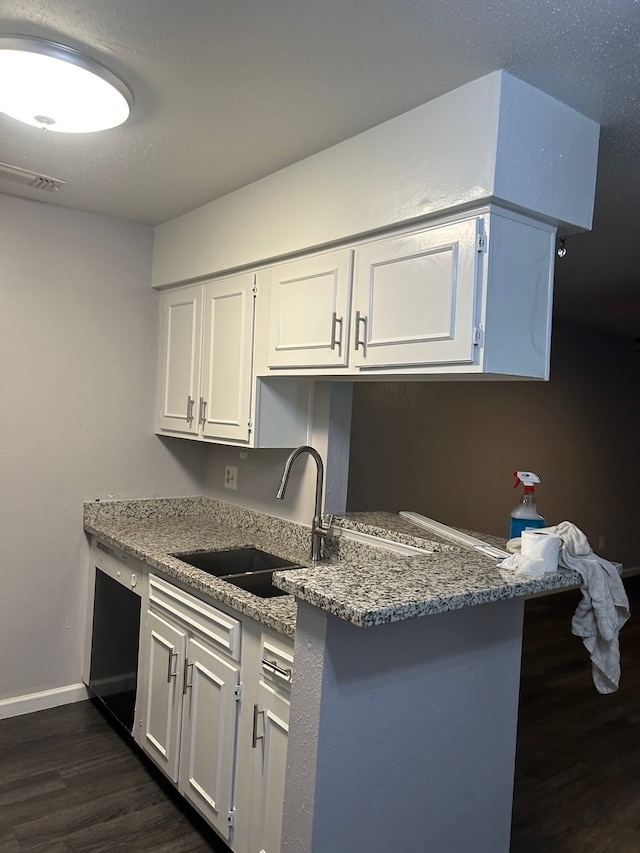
(379, 586)
(363, 584)
(153, 530)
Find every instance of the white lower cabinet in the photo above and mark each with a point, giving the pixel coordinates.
(270, 736)
(214, 713)
(162, 704)
(208, 741)
(190, 702)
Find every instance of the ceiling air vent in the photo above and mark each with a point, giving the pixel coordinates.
(29, 179)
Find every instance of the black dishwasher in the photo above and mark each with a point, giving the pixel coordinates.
(114, 647)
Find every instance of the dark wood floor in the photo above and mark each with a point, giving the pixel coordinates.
(578, 760)
(70, 784)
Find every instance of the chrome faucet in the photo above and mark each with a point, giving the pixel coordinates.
(318, 530)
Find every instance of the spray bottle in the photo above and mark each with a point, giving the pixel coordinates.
(525, 515)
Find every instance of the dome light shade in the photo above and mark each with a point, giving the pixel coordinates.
(54, 87)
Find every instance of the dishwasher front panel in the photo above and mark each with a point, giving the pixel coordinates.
(114, 647)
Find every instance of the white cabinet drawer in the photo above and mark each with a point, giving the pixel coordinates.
(218, 628)
(277, 663)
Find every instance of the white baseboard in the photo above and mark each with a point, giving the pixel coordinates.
(31, 702)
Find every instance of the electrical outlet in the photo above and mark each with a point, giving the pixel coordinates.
(601, 543)
(231, 477)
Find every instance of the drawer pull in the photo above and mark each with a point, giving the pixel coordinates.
(273, 666)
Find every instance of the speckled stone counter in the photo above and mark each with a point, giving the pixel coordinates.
(378, 586)
(395, 528)
(153, 530)
(362, 584)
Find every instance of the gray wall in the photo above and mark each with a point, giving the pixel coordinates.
(402, 736)
(260, 471)
(78, 341)
(448, 450)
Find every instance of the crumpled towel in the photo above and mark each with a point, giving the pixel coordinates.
(604, 607)
(520, 565)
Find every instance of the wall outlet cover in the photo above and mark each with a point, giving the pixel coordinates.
(231, 477)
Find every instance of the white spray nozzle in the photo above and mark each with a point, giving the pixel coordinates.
(527, 478)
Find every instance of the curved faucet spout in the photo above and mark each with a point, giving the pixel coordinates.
(318, 532)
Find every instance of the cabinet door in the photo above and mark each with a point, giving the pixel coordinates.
(225, 405)
(309, 311)
(415, 298)
(180, 346)
(272, 725)
(162, 712)
(207, 762)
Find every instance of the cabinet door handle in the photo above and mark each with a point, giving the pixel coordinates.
(190, 403)
(203, 411)
(335, 322)
(170, 673)
(273, 666)
(255, 737)
(185, 679)
(360, 319)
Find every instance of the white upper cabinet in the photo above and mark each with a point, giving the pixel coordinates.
(468, 295)
(205, 359)
(415, 298)
(179, 372)
(309, 311)
(207, 387)
(225, 402)
(471, 294)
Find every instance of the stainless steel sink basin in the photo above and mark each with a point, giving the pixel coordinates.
(257, 583)
(238, 561)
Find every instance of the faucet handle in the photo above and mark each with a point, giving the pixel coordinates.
(329, 523)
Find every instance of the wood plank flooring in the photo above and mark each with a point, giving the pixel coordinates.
(69, 783)
(578, 760)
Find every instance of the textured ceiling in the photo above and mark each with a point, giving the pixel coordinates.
(227, 92)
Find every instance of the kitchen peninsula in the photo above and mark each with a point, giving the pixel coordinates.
(402, 729)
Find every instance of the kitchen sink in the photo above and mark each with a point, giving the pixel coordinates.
(238, 562)
(257, 583)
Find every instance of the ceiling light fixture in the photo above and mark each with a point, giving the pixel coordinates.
(54, 87)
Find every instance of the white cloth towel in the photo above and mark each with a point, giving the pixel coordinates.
(604, 607)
